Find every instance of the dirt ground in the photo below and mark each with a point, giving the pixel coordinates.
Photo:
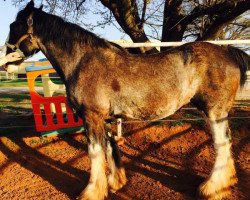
(162, 160)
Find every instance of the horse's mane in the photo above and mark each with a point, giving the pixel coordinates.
(65, 34)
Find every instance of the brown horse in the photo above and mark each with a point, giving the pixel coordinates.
(103, 80)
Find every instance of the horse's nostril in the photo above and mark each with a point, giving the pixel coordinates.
(5, 67)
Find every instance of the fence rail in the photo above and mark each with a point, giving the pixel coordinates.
(127, 44)
(130, 44)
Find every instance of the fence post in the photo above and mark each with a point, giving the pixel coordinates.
(119, 127)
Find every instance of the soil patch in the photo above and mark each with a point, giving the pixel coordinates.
(163, 160)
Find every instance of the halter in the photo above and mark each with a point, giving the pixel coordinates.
(15, 47)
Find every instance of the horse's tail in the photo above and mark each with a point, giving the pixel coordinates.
(243, 61)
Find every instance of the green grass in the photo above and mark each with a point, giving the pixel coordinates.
(24, 97)
(177, 123)
(14, 103)
(23, 83)
(18, 83)
(156, 123)
(2, 106)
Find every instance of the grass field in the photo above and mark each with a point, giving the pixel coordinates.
(14, 98)
(23, 83)
(18, 83)
(15, 103)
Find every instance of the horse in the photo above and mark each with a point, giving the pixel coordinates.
(104, 81)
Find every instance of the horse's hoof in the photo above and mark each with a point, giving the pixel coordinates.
(117, 181)
(94, 192)
(212, 191)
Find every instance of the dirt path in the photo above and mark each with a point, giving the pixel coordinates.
(164, 161)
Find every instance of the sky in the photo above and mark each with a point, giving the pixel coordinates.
(8, 14)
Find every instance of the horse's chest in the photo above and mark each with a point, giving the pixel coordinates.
(89, 97)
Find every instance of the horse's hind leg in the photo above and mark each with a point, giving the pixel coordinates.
(223, 174)
(117, 177)
(97, 187)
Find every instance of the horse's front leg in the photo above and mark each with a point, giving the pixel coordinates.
(97, 187)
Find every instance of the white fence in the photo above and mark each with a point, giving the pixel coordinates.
(126, 44)
(7, 76)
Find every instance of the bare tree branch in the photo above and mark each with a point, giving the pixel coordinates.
(142, 20)
(80, 4)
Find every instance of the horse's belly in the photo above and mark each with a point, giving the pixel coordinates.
(152, 109)
(150, 112)
(154, 102)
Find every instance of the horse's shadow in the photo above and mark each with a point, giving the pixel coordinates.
(71, 181)
(243, 174)
(180, 180)
(186, 179)
(65, 178)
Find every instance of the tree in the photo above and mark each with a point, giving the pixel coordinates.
(177, 20)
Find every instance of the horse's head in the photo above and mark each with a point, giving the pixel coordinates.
(21, 36)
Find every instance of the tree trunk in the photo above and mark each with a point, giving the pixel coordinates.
(172, 29)
(126, 14)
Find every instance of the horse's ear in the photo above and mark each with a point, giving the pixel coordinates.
(29, 6)
(41, 7)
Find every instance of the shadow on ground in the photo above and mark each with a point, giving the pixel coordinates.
(162, 161)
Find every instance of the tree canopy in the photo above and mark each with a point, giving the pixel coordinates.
(164, 20)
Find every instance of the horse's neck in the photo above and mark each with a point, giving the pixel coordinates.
(63, 61)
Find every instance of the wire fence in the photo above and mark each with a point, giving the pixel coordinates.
(191, 117)
(27, 111)
(18, 79)
(136, 121)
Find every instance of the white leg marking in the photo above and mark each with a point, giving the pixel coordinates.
(223, 173)
(117, 178)
(97, 187)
